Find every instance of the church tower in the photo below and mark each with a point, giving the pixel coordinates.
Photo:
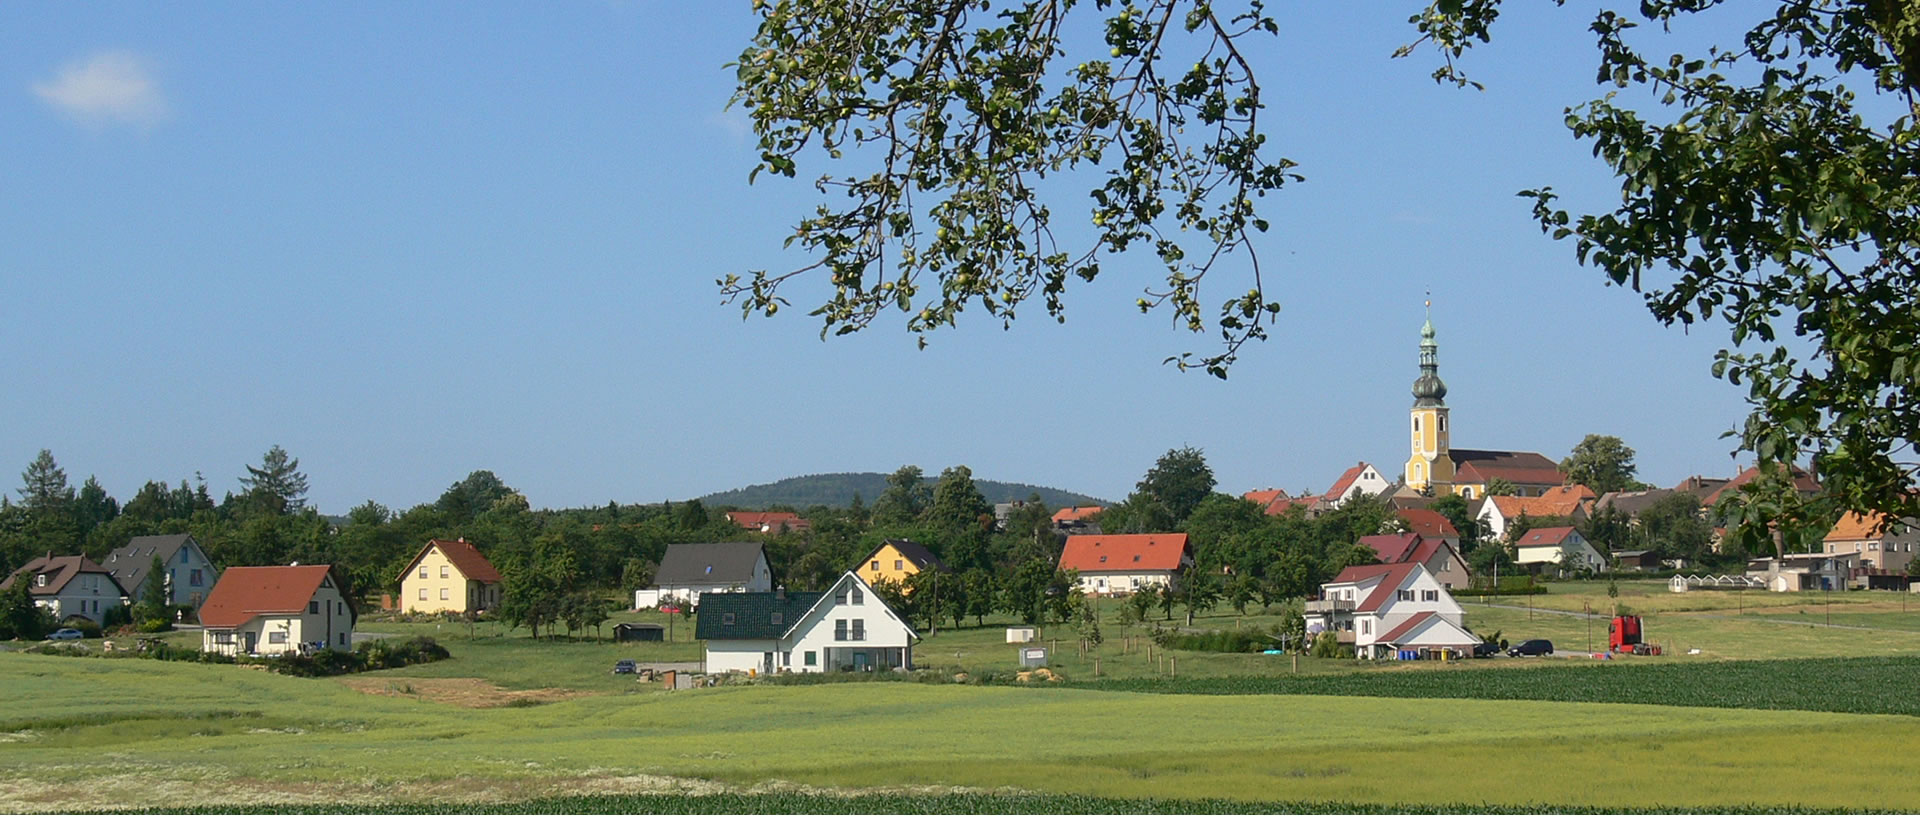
(1430, 468)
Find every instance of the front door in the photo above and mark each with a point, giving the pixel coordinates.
(862, 662)
(766, 662)
(253, 640)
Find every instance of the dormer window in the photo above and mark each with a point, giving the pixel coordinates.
(1103, 559)
(40, 580)
(778, 619)
(1136, 559)
(726, 618)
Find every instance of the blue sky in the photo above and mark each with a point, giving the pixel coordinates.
(410, 241)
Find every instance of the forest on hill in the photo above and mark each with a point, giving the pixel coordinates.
(840, 490)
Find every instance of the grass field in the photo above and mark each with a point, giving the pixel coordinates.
(128, 733)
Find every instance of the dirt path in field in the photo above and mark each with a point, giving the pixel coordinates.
(465, 692)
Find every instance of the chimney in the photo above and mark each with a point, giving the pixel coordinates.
(780, 592)
(294, 564)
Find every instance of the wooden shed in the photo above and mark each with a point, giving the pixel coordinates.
(624, 632)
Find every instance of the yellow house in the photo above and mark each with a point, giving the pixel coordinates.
(898, 559)
(449, 576)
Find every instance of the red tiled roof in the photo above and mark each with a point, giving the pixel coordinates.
(1802, 481)
(1392, 576)
(1281, 506)
(1425, 551)
(1076, 513)
(1545, 536)
(466, 559)
(1392, 548)
(762, 520)
(1560, 501)
(1429, 523)
(1264, 497)
(245, 593)
(1346, 480)
(1405, 626)
(1120, 553)
(1859, 527)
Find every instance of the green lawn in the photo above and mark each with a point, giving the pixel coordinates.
(134, 733)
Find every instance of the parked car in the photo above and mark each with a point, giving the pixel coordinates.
(1486, 649)
(1531, 647)
(66, 634)
(625, 667)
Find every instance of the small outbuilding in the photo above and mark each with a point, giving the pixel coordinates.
(630, 632)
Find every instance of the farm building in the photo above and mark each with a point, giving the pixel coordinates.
(631, 632)
(1121, 564)
(449, 576)
(277, 610)
(846, 628)
(689, 571)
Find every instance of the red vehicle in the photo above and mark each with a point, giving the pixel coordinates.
(1624, 635)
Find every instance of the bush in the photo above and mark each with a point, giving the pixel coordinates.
(88, 629)
(1326, 644)
(118, 615)
(1224, 640)
(151, 625)
(393, 654)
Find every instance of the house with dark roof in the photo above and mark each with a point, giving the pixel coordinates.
(277, 610)
(898, 559)
(1440, 557)
(1531, 474)
(689, 571)
(69, 586)
(449, 576)
(1123, 564)
(1386, 609)
(846, 628)
(189, 572)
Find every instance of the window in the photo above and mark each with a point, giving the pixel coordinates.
(1447, 565)
(859, 629)
(223, 638)
(876, 566)
(857, 598)
(313, 607)
(899, 564)
(1466, 492)
(786, 658)
(343, 638)
(1405, 594)
(726, 618)
(812, 658)
(443, 572)
(194, 578)
(1366, 626)
(840, 599)
(779, 619)
(840, 629)
(423, 593)
(39, 580)
(1443, 422)
(423, 570)
(183, 555)
(1416, 424)
(1873, 545)
(1431, 595)
(276, 637)
(443, 593)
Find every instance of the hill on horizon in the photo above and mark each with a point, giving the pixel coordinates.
(838, 489)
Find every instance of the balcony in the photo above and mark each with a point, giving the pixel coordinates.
(1322, 607)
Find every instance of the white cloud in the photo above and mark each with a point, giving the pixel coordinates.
(110, 87)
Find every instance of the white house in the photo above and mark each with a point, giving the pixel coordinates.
(1122, 564)
(276, 610)
(689, 571)
(1561, 546)
(69, 586)
(1386, 608)
(1360, 480)
(189, 572)
(846, 628)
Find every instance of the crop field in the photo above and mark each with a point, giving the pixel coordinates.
(144, 734)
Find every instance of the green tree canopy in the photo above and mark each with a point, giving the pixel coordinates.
(1603, 463)
(1760, 189)
(1179, 480)
(277, 485)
